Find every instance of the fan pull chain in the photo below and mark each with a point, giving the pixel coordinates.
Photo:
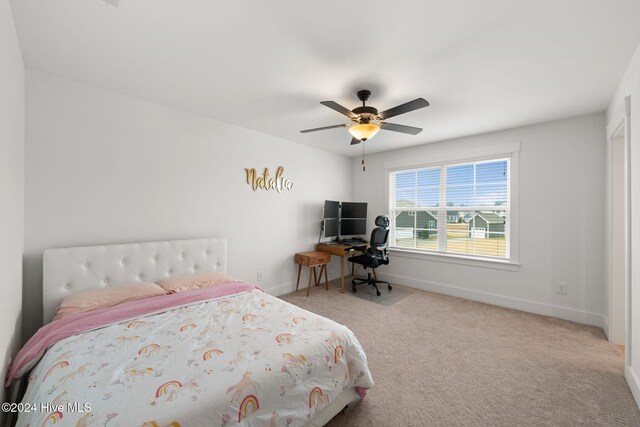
(363, 167)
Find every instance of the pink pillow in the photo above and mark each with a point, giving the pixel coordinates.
(106, 297)
(198, 281)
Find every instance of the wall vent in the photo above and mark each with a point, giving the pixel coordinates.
(114, 3)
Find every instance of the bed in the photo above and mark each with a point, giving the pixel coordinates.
(225, 355)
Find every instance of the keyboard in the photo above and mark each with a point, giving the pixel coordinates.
(354, 242)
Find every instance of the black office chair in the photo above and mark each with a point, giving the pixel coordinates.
(375, 256)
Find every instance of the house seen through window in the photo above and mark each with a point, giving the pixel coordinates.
(461, 208)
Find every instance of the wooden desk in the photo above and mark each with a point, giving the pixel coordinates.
(342, 251)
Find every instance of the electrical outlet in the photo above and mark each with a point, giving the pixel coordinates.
(259, 276)
(561, 288)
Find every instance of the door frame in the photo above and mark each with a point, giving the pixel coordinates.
(620, 125)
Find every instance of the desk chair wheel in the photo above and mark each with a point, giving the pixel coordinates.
(389, 286)
(378, 292)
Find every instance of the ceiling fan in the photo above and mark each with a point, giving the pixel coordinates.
(367, 121)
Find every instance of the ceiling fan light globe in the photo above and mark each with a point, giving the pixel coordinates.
(364, 131)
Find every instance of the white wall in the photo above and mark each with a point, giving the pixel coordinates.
(105, 168)
(561, 220)
(630, 86)
(11, 186)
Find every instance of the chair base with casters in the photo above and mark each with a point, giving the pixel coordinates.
(371, 280)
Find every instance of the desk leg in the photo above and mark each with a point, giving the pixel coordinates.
(315, 277)
(342, 273)
(309, 284)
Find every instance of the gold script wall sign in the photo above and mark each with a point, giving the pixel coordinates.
(266, 182)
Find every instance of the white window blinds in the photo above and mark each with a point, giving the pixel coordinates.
(461, 208)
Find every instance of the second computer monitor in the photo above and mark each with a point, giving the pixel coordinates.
(354, 210)
(353, 227)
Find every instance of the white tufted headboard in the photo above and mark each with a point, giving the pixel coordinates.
(70, 270)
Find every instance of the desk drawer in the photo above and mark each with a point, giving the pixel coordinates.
(313, 258)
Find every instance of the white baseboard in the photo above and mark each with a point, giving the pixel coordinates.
(276, 291)
(566, 313)
(634, 383)
(291, 286)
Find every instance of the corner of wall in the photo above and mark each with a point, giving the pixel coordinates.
(12, 149)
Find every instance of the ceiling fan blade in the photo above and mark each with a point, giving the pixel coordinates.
(339, 108)
(323, 128)
(400, 128)
(404, 108)
(355, 141)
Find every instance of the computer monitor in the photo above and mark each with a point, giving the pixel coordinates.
(353, 210)
(331, 209)
(353, 227)
(331, 227)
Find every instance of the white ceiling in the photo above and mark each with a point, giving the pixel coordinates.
(266, 65)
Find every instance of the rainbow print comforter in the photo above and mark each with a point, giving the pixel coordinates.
(190, 359)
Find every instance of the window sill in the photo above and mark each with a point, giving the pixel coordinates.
(498, 264)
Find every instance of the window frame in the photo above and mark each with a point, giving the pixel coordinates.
(502, 151)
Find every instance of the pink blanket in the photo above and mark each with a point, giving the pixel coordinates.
(58, 330)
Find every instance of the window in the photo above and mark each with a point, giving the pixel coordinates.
(455, 208)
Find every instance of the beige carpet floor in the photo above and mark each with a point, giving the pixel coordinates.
(443, 361)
